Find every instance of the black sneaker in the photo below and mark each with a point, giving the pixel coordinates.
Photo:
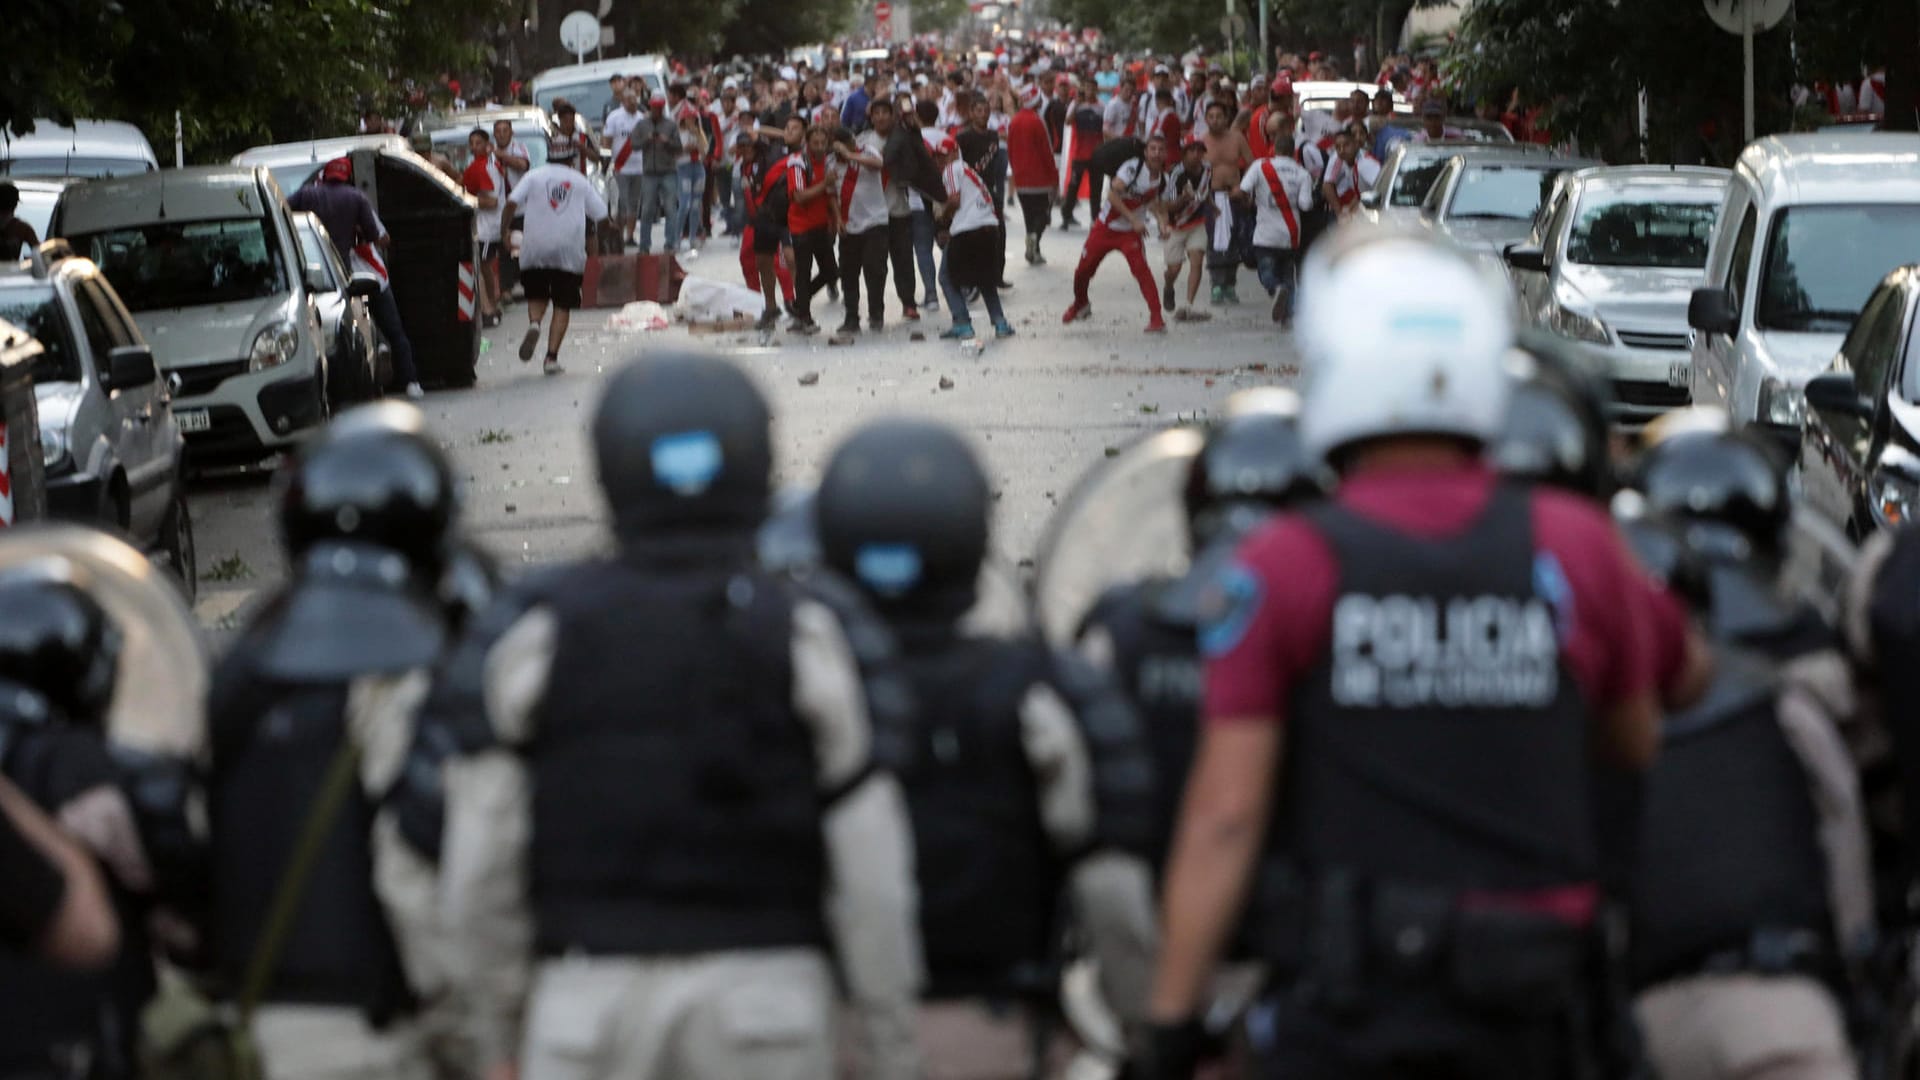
(876, 324)
(1166, 296)
(851, 326)
(768, 322)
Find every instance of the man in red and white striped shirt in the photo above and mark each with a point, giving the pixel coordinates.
(1280, 189)
(860, 185)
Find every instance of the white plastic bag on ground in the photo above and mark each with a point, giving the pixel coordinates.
(706, 300)
(641, 315)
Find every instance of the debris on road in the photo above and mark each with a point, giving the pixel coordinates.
(946, 383)
(641, 315)
(810, 378)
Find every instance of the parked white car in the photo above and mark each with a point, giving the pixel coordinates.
(89, 148)
(208, 261)
(1811, 225)
(1611, 265)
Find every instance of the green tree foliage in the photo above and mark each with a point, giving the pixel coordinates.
(239, 71)
(1586, 62)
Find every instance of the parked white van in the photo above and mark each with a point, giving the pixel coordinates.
(585, 85)
(208, 262)
(88, 148)
(1811, 225)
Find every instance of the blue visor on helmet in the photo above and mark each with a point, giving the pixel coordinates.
(888, 569)
(688, 462)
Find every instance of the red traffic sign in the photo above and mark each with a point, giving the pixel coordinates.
(882, 10)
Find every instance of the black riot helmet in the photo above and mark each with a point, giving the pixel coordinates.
(57, 640)
(684, 442)
(1556, 429)
(1251, 465)
(469, 579)
(1661, 546)
(1728, 487)
(372, 477)
(902, 509)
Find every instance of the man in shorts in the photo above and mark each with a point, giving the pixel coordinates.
(557, 202)
(1184, 198)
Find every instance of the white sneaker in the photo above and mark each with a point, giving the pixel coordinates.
(414, 393)
(552, 367)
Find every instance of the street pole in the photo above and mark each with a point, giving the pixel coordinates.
(1746, 46)
(179, 142)
(1266, 54)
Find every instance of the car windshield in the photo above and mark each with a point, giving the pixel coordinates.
(589, 99)
(1824, 261)
(1624, 228)
(90, 167)
(316, 252)
(1500, 192)
(35, 309)
(454, 145)
(293, 176)
(188, 263)
(1412, 182)
(36, 209)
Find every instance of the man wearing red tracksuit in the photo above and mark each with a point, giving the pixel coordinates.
(1135, 187)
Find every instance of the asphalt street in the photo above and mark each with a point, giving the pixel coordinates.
(1043, 407)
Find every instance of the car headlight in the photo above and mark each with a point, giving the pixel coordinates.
(55, 454)
(1576, 325)
(274, 346)
(1893, 497)
(1780, 403)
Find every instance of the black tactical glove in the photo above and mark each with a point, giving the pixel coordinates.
(1165, 1051)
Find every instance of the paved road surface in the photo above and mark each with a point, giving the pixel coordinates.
(1043, 407)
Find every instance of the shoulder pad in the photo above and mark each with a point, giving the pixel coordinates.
(892, 709)
(1122, 764)
(455, 709)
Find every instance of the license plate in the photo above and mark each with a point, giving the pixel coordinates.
(1679, 373)
(193, 420)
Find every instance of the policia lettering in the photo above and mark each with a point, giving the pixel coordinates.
(1408, 652)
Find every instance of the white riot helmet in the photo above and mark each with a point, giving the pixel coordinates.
(1400, 335)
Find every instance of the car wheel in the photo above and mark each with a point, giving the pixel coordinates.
(176, 544)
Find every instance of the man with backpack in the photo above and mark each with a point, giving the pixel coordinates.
(1136, 187)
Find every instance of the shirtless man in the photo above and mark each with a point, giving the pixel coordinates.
(1228, 155)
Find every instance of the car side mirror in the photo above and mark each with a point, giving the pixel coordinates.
(1526, 257)
(1370, 200)
(130, 367)
(318, 281)
(1713, 311)
(1836, 392)
(363, 287)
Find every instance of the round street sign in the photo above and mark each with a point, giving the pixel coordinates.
(580, 32)
(1233, 25)
(1726, 14)
(882, 11)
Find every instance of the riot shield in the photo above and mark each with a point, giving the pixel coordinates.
(160, 692)
(1126, 520)
(789, 544)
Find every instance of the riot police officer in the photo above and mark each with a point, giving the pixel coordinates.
(311, 716)
(1751, 901)
(1145, 632)
(85, 614)
(1425, 862)
(59, 656)
(1027, 778)
(672, 816)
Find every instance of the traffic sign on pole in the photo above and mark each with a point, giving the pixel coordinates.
(580, 34)
(1747, 18)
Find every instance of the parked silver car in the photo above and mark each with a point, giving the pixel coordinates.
(1486, 201)
(356, 357)
(1612, 261)
(1410, 168)
(112, 449)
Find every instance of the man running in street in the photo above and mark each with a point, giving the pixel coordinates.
(557, 202)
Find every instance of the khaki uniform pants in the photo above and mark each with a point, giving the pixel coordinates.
(765, 1015)
(967, 1040)
(320, 1042)
(1744, 1027)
